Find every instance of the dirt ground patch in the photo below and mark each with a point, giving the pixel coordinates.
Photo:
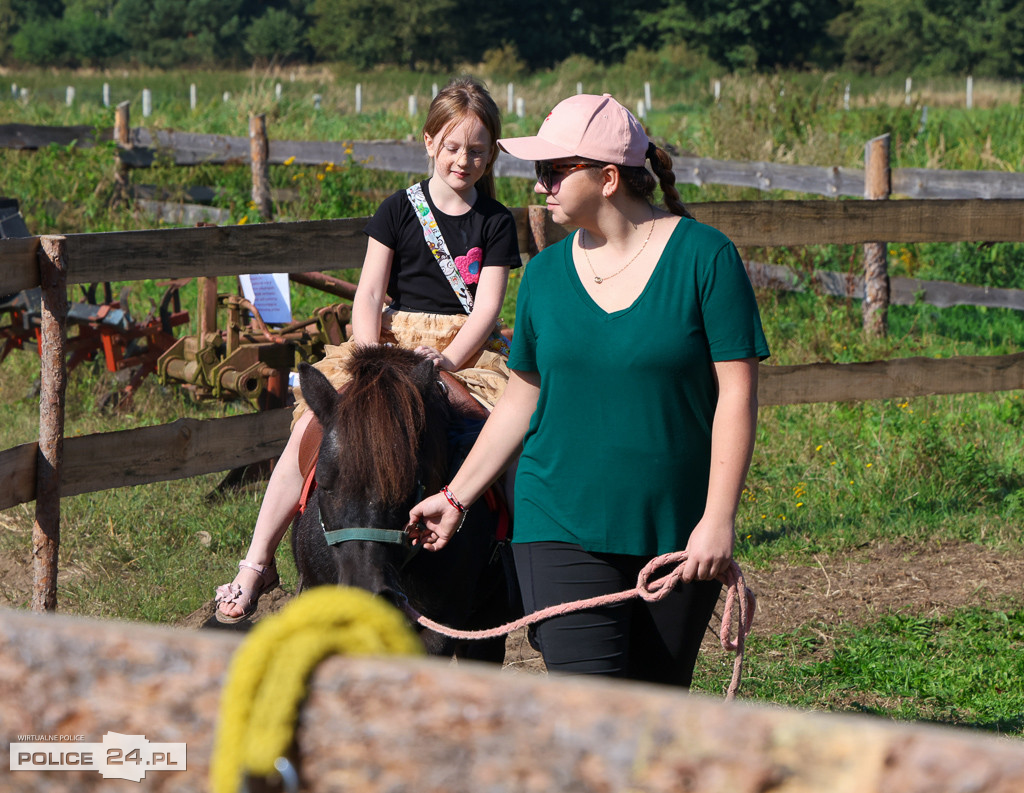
(859, 586)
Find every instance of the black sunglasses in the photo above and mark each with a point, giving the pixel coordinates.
(549, 173)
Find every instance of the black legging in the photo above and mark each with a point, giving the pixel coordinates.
(657, 642)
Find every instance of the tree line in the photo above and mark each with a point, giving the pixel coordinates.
(920, 37)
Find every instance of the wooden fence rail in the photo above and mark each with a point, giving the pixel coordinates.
(190, 448)
(385, 724)
(325, 244)
(189, 148)
(902, 291)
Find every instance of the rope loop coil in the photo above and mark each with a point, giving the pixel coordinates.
(738, 597)
(268, 676)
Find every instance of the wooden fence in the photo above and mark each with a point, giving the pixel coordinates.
(194, 447)
(189, 148)
(375, 725)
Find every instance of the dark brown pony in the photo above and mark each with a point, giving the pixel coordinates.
(387, 440)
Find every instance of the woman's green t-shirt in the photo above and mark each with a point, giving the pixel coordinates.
(617, 454)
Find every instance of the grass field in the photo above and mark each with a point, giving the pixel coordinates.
(846, 506)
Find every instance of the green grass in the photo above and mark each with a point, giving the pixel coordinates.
(962, 669)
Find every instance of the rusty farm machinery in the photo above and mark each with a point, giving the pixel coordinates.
(233, 354)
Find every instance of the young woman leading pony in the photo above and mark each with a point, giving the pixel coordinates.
(633, 394)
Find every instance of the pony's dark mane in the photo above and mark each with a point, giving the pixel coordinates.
(385, 422)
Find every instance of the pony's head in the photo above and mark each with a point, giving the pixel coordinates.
(385, 442)
(384, 446)
(384, 433)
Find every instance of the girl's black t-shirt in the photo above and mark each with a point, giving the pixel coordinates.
(483, 237)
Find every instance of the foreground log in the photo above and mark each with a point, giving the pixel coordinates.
(421, 724)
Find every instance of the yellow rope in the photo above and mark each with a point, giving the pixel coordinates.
(267, 678)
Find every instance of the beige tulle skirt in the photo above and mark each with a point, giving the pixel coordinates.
(485, 375)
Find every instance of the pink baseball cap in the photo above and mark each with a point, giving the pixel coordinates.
(585, 125)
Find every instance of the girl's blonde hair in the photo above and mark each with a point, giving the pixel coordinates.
(465, 96)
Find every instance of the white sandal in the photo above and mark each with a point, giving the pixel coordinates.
(234, 594)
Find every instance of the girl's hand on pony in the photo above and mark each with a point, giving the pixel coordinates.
(438, 358)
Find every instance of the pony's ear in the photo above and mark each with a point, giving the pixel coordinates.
(424, 375)
(318, 392)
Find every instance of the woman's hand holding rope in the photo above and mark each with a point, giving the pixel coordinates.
(433, 522)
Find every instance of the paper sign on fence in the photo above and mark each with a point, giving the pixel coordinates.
(270, 294)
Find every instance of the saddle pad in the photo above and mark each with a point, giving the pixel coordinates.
(309, 447)
(461, 400)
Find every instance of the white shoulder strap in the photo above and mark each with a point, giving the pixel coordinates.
(436, 243)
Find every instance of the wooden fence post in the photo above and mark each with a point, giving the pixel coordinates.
(259, 149)
(122, 134)
(876, 265)
(52, 385)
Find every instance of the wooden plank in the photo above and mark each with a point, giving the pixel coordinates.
(828, 181)
(772, 223)
(191, 447)
(18, 474)
(187, 148)
(190, 148)
(53, 380)
(897, 378)
(196, 194)
(34, 136)
(214, 250)
(903, 291)
(469, 727)
(328, 244)
(200, 194)
(179, 214)
(188, 447)
(906, 291)
(19, 268)
(378, 155)
(926, 183)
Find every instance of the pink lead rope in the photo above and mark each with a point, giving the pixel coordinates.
(650, 589)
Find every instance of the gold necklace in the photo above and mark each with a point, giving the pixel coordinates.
(598, 279)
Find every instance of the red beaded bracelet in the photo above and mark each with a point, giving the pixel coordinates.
(452, 499)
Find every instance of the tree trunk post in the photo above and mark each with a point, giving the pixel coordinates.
(259, 150)
(122, 135)
(52, 387)
(876, 267)
(537, 217)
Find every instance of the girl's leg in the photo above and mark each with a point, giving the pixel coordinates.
(276, 513)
